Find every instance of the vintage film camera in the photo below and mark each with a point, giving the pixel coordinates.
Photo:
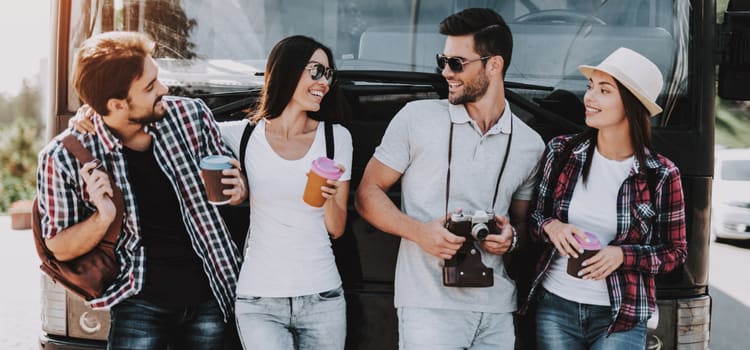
(466, 269)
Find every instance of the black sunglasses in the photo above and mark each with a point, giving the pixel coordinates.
(454, 63)
(318, 70)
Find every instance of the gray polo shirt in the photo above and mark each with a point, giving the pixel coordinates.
(416, 145)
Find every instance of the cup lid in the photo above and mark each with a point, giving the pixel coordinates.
(591, 242)
(326, 168)
(216, 162)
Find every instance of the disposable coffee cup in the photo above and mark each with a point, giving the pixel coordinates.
(211, 168)
(590, 245)
(321, 170)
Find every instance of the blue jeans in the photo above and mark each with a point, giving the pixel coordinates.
(316, 321)
(564, 324)
(440, 329)
(137, 324)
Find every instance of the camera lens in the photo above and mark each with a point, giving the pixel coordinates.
(479, 232)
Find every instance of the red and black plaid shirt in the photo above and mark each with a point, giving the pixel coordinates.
(650, 233)
(186, 134)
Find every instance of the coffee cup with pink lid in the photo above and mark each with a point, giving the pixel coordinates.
(321, 170)
(591, 245)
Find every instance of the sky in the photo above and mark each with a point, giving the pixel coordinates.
(24, 42)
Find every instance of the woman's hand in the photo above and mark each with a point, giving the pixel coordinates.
(561, 235)
(602, 264)
(331, 187)
(82, 121)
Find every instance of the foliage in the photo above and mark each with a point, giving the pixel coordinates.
(732, 123)
(19, 144)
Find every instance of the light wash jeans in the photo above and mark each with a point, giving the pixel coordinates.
(565, 324)
(314, 322)
(440, 329)
(137, 324)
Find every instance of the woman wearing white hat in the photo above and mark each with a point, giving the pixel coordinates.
(607, 182)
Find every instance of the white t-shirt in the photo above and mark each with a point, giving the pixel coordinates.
(289, 251)
(593, 208)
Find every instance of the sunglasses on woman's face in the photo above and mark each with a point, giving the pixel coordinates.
(454, 63)
(318, 70)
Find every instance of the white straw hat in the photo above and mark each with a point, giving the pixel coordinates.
(637, 73)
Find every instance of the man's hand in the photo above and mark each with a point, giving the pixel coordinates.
(238, 193)
(438, 241)
(499, 244)
(99, 190)
(82, 121)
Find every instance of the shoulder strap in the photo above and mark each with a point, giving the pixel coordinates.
(243, 145)
(329, 139)
(651, 180)
(83, 155)
(75, 147)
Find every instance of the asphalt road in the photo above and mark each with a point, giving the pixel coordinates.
(19, 294)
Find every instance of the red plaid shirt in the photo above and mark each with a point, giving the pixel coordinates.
(186, 134)
(652, 238)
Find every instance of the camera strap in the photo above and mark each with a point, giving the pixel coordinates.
(499, 176)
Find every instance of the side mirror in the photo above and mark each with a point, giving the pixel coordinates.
(734, 65)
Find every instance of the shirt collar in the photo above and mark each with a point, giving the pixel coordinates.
(108, 139)
(459, 115)
(652, 162)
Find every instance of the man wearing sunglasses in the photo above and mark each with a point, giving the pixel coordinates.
(450, 155)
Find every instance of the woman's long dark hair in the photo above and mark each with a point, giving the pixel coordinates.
(640, 133)
(286, 62)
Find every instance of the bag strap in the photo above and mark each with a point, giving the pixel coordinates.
(75, 147)
(329, 139)
(651, 179)
(243, 145)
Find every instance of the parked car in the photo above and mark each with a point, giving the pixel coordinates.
(731, 201)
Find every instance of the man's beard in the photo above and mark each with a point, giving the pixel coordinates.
(472, 91)
(149, 118)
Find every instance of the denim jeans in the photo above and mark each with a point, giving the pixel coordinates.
(564, 324)
(138, 324)
(316, 321)
(440, 329)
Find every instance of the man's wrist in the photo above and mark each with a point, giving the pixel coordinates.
(514, 240)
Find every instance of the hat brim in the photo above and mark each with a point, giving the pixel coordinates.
(652, 107)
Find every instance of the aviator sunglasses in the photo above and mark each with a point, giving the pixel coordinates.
(318, 70)
(456, 64)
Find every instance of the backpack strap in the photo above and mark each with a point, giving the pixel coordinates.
(243, 145)
(329, 139)
(651, 180)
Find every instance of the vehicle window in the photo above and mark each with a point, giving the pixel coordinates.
(735, 170)
(222, 44)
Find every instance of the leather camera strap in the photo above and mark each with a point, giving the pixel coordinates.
(499, 176)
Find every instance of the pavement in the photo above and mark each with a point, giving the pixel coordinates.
(19, 294)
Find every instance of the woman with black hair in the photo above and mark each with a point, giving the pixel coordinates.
(289, 294)
(607, 185)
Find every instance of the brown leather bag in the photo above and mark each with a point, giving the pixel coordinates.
(87, 275)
